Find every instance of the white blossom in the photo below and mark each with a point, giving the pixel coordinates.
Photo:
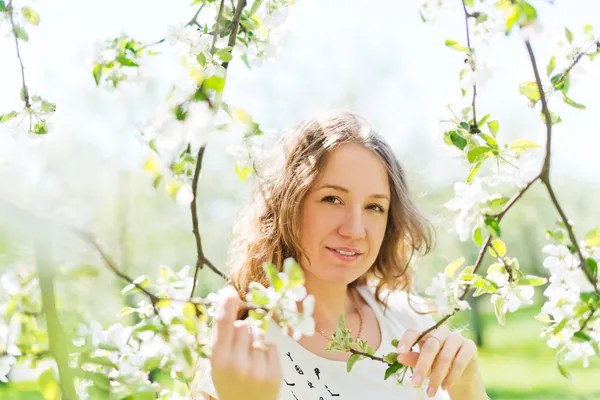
(469, 200)
(447, 292)
(5, 363)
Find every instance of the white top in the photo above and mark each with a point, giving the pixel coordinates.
(311, 377)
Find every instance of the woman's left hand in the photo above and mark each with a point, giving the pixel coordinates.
(448, 359)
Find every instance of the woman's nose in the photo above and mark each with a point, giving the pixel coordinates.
(353, 226)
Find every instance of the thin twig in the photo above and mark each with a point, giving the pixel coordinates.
(10, 11)
(474, 127)
(545, 175)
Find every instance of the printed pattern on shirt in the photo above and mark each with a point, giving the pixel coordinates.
(316, 384)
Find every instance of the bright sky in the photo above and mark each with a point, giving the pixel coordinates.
(374, 57)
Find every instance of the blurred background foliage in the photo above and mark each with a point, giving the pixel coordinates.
(391, 68)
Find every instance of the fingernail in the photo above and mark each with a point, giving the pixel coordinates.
(402, 349)
(416, 380)
(431, 391)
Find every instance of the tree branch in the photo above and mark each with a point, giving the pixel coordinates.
(545, 174)
(474, 127)
(10, 10)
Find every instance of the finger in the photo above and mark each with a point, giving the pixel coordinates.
(443, 362)
(273, 363)
(406, 342)
(426, 357)
(465, 356)
(258, 357)
(226, 315)
(409, 358)
(241, 347)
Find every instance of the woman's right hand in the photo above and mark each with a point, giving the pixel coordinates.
(240, 370)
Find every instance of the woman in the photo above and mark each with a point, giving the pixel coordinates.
(340, 205)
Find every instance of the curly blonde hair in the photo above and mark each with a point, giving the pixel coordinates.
(270, 230)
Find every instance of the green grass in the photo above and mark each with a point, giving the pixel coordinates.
(517, 364)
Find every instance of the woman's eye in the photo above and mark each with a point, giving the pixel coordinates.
(376, 207)
(331, 199)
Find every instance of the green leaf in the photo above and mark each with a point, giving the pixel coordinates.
(572, 103)
(569, 35)
(49, 385)
(497, 246)
(499, 310)
(255, 7)
(551, 66)
(126, 311)
(21, 33)
(453, 266)
(478, 154)
(530, 90)
(493, 226)
(243, 172)
(271, 271)
(564, 372)
(457, 139)
(478, 236)
(592, 266)
(493, 126)
(351, 361)
(473, 171)
(392, 369)
(101, 381)
(294, 272)
(9, 116)
(225, 54)
(126, 62)
(48, 107)
(524, 144)
(512, 17)
(592, 299)
(30, 15)
(592, 237)
(483, 286)
(531, 280)
(215, 83)
(391, 358)
(2, 6)
(489, 140)
(454, 45)
(483, 120)
(98, 73)
(144, 395)
(40, 128)
(201, 57)
(554, 119)
(469, 3)
(589, 32)
(582, 336)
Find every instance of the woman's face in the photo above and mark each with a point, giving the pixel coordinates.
(344, 216)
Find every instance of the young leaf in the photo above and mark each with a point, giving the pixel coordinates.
(554, 119)
(9, 116)
(489, 140)
(351, 361)
(551, 66)
(2, 6)
(592, 266)
(454, 45)
(98, 73)
(483, 120)
(457, 139)
(473, 171)
(126, 62)
(531, 280)
(530, 90)
(31, 16)
(524, 144)
(572, 103)
(294, 272)
(478, 236)
(392, 369)
(493, 226)
(478, 154)
(589, 32)
(569, 35)
(391, 358)
(243, 171)
(453, 266)
(493, 126)
(21, 33)
(498, 248)
(499, 309)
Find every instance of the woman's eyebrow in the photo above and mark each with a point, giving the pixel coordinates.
(345, 190)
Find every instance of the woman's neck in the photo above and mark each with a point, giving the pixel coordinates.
(330, 302)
